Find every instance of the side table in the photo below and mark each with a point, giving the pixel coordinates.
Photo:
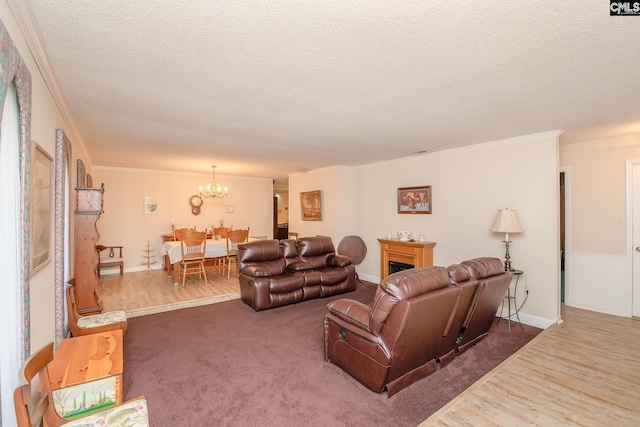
(508, 298)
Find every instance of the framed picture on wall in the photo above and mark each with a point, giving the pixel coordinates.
(150, 205)
(414, 200)
(311, 205)
(41, 199)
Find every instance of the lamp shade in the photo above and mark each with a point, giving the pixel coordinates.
(506, 222)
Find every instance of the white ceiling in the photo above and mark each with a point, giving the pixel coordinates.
(268, 88)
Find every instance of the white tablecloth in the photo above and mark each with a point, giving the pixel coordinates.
(214, 249)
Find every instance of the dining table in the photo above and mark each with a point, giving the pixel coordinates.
(215, 248)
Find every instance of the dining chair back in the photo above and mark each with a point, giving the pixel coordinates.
(193, 245)
(234, 238)
(220, 231)
(39, 408)
(179, 232)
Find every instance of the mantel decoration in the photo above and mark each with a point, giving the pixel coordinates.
(213, 190)
(311, 205)
(414, 200)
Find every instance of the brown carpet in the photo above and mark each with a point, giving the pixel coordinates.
(226, 365)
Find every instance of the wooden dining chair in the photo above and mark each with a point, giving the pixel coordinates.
(293, 235)
(179, 232)
(193, 245)
(220, 233)
(234, 237)
(40, 408)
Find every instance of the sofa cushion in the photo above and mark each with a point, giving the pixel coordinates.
(286, 283)
(314, 251)
(101, 319)
(267, 254)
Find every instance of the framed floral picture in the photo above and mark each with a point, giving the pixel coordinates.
(41, 199)
(311, 205)
(414, 200)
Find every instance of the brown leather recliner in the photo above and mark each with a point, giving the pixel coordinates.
(325, 272)
(395, 341)
(265, 281)
(458, 276)
(275, 273)
(492, 286)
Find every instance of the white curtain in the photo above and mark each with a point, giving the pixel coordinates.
(11, 304)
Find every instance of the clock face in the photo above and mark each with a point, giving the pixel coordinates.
(196, 203)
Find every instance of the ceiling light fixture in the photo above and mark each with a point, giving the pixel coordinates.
(213, 189)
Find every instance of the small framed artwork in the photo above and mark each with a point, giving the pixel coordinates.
(414, 200)
(41, 199)
(150, 205)
(311, 205)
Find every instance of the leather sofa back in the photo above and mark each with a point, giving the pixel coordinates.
(493, 282)
(268, 254)
(314, 251)
(401, 286)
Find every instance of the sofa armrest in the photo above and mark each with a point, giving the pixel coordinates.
(256, 271)
(353, 312)
(339, 260)
(300, 266)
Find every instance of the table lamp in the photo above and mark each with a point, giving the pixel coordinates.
(506, 222)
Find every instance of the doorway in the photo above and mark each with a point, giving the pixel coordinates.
(633, 231)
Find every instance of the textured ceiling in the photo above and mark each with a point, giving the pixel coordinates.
(267, 88)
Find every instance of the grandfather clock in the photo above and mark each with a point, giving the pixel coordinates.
(88, 209)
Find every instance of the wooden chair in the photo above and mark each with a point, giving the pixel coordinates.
(220, 231)
(111, 258)
(293, 235)
(193, 246)
(32, 411)
(179, 232)
(85, 325)
(234, 237)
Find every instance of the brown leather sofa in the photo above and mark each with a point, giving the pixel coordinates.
(275, 273)
(417, 322)
(492, 284)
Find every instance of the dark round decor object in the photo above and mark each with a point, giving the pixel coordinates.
(354, 248)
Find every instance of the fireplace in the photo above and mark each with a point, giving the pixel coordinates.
(397, 256)
(395, 266)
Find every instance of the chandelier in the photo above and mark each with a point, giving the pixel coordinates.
(213, 189)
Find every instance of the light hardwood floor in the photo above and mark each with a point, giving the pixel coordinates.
(148, 292)
(582, 372)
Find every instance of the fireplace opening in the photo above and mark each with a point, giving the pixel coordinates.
(394, 266)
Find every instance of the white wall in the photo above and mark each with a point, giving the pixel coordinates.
(468, 186)
(124, 222)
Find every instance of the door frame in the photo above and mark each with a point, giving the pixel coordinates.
(628, 309)
(567, 240)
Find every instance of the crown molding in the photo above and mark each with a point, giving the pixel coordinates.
(26, 21)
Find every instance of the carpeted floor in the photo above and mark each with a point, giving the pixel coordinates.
(226, 365)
